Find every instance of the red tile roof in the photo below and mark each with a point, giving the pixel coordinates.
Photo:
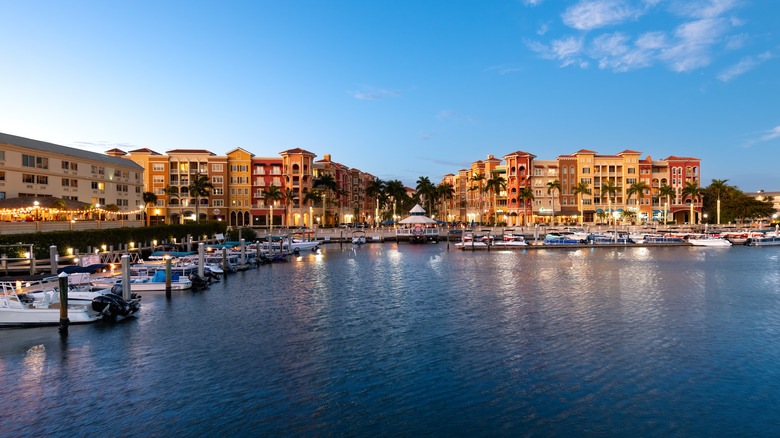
(190, 151)
(584, 151)
(629, 151)
(520, 154)
(145, 151)
(298, 151)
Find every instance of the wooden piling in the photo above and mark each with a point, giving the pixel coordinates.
(54, 258)
(224, 263)
(243, 251)
(168, 278)
(64, 321)
(201, 261)
(126, 277)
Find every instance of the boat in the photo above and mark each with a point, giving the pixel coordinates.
(512, 240)
(767, 239)
(358, 237)
(740, 237)
(576, 233)
(138, 283)
(710, 241)
(607, 239)
(560, 239)
(659, 238)
(37, 302)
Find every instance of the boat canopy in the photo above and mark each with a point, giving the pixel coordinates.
(160, 254)
(417, 217)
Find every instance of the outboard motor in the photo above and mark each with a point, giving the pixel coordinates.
(112, 305)
(198, 282)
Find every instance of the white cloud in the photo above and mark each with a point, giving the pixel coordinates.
(693, 40)
(445, 114)
(745, 65)
(543, 29)
(375, 94)
(707, 8)
(503, 69)
(567, 50)
(593, 14)
(532, 2)
(772, 134)
(613, 51)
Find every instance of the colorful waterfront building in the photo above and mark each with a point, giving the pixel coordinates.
(267, 173)
(239, 164)
(298, 167)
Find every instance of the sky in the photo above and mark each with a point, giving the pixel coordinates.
(402, 89)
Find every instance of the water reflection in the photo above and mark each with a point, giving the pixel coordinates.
(416, 340)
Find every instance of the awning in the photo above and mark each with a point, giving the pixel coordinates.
(598, 210)
(188, 213)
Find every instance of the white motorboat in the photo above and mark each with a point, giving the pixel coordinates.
(308, 245)
(35, 303)
(710, 241)
(359, 237)
(512, 240)
(138, 283)
(772, 238)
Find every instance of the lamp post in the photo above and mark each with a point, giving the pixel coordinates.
(718, 211)
(37, 209)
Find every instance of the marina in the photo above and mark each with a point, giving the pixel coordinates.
(617, 341)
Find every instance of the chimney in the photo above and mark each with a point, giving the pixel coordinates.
(327, 157)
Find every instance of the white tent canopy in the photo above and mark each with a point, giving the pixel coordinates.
(417, 217)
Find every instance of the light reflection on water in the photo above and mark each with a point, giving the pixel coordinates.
(413, 340)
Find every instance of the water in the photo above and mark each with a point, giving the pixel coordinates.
(414, 340)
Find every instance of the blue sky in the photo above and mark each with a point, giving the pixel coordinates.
(402, 89)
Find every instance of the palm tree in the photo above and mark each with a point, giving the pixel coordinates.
(610, 189)
(445, 192)
(579, 190)
(693, 191)
(289, 196)
(666, 191)
(329, 185)
(524, 195)
(148, 198)
(271, 194)
(552, 186)
(494, 185)
(719, 186)
(199, 187)
(638, 189)
(478, 178)
(170, 192)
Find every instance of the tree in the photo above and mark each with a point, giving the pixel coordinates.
(524, 195)
(427, 191)
(200, 187)
(494, 185)
(744, 207)
(718, 186)
(313, 198)
(289, 196)
(692, 191)
(580, 190)
(610, 189)
(552, 186)
(170, 192)
(148, 198)
(667, 192)
(445, 192)
(397, 192)
(638, 189)
(479, 178)
(270, 195)
(328, 184)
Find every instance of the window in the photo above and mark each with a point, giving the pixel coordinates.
(28, 160)
(631, 171)
(2, 176)
(65, 182)
(216, 168)
(232, 191)
(66, 165)
(98, 185)
(564, 171)
(234, 168)
(216, 180)
(244, 168)
(585, 170)
(28, 178)
(74, 166)
(585, 180)
(41, 163)
(158, 178)
(2, 158)
(42, 179)
(158, 167)
(218, 203)
(217, 191)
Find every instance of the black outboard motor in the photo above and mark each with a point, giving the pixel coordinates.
(112, 305)
(198, 282)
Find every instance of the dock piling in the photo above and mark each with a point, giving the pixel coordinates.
(126, 277)
(64, 321)
(54, 258)
(201, 261)
(168, 278)
(243, 251)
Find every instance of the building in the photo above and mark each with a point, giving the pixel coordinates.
(32, 168)
(583, 178)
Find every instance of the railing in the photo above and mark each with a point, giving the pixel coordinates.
(41, 226)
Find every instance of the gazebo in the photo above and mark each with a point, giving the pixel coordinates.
(418, 227)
